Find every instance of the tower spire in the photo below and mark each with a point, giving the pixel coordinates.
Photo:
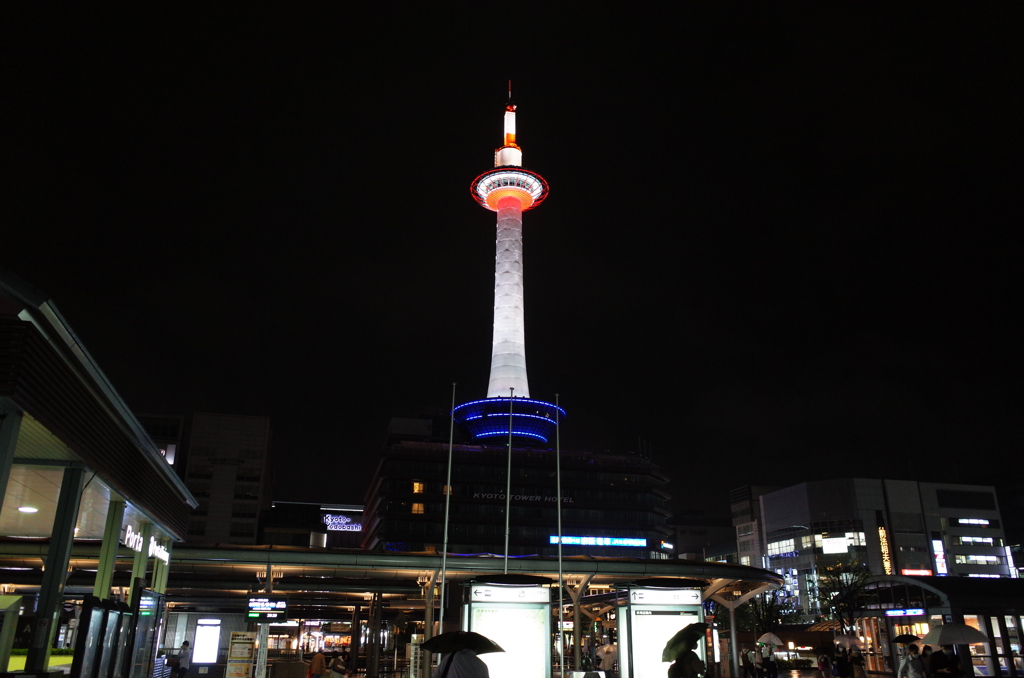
(509, 190)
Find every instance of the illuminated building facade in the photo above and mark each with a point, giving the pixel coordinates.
(894, 527)
(612, 505)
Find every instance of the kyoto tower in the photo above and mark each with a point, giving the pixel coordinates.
(509, 190)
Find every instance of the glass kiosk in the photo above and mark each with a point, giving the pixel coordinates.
(650, 617)
(517, 616)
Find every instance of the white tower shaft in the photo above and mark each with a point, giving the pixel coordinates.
(508, 350)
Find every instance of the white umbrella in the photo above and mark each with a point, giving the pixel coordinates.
(848, 641)
(770, 639)
(954, 634)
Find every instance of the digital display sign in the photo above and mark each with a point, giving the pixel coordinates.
(598, 541)
(904, 613)
(267, 607)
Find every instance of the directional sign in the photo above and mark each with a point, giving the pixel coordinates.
(510, 594)
(665, 596)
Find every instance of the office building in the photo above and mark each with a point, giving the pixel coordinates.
(228, 471)
(894, 527)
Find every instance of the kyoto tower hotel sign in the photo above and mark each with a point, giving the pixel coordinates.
(508, 411)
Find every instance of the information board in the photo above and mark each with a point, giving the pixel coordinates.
(651, 630)
(267, 607)
(240, 654)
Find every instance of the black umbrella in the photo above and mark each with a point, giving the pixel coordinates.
(453, 641)
(685, 640)
(906, 638)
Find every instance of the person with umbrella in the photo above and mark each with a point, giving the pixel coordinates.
(459, 650)
(679, 651)
(945, 664)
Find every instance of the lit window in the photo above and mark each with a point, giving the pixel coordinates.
(447, 489)
(417, 508)
(417, 488)
(976, 560)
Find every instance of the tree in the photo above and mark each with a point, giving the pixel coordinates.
(842, 592)
(764, 613)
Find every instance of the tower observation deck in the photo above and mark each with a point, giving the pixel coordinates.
(509, 190)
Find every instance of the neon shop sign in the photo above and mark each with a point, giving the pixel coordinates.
(337, 522)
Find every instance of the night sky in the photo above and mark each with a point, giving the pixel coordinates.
(779, 245)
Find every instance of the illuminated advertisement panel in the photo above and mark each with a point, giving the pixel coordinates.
(651, 629)
(522, 628)
(647, 622)
(835, 545)
(207, 642)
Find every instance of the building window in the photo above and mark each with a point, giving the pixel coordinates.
(983, 541)
(447, 489)
(417, 488)
(976, 560)
(417, 507)
(779, 547)
(745, 529)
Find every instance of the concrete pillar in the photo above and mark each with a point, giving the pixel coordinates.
(141, 562)
(10, 426)
(108, 549)
(508, 347)
(354, 645)
(161, 570)
(51, 590)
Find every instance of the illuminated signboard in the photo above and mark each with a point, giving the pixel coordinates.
(665, 596)
(133, 539)
(207, 641)
(834, 545)
(599, 541)
(883, 540)
(940, 557)
(509, 594)
(913, 612)
(338, 522)
(917, 573)
(267, 607)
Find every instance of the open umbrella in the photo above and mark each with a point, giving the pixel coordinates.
(685, 640)
(848, 641)
(954, 634)
(770, 639)
(453, 641)
(904, 638)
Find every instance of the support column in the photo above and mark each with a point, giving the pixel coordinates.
(264, 632)
(161, 570)
(373, 626)
(51, 590)
(356, 635)
(141, 562)
(508, 347)
(576, 592)
(10, 426)
(108, 549)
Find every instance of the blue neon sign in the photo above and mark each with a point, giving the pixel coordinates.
(599, 541)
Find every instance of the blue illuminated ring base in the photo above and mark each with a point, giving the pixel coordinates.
(533, 421)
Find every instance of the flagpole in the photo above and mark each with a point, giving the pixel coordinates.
(561, 579)
(447, 505)
(508, 475)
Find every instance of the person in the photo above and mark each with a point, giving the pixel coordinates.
(825, 665)
(338, 666)
(687, 665)
(608, 654)
(318, 665)
(912, 665)
(771, 667)
(184, 659)
(856, 663)
(926, 659)
(747, 660)
(755, 660)
(461, 664)
(841, 663)
(945, 664)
